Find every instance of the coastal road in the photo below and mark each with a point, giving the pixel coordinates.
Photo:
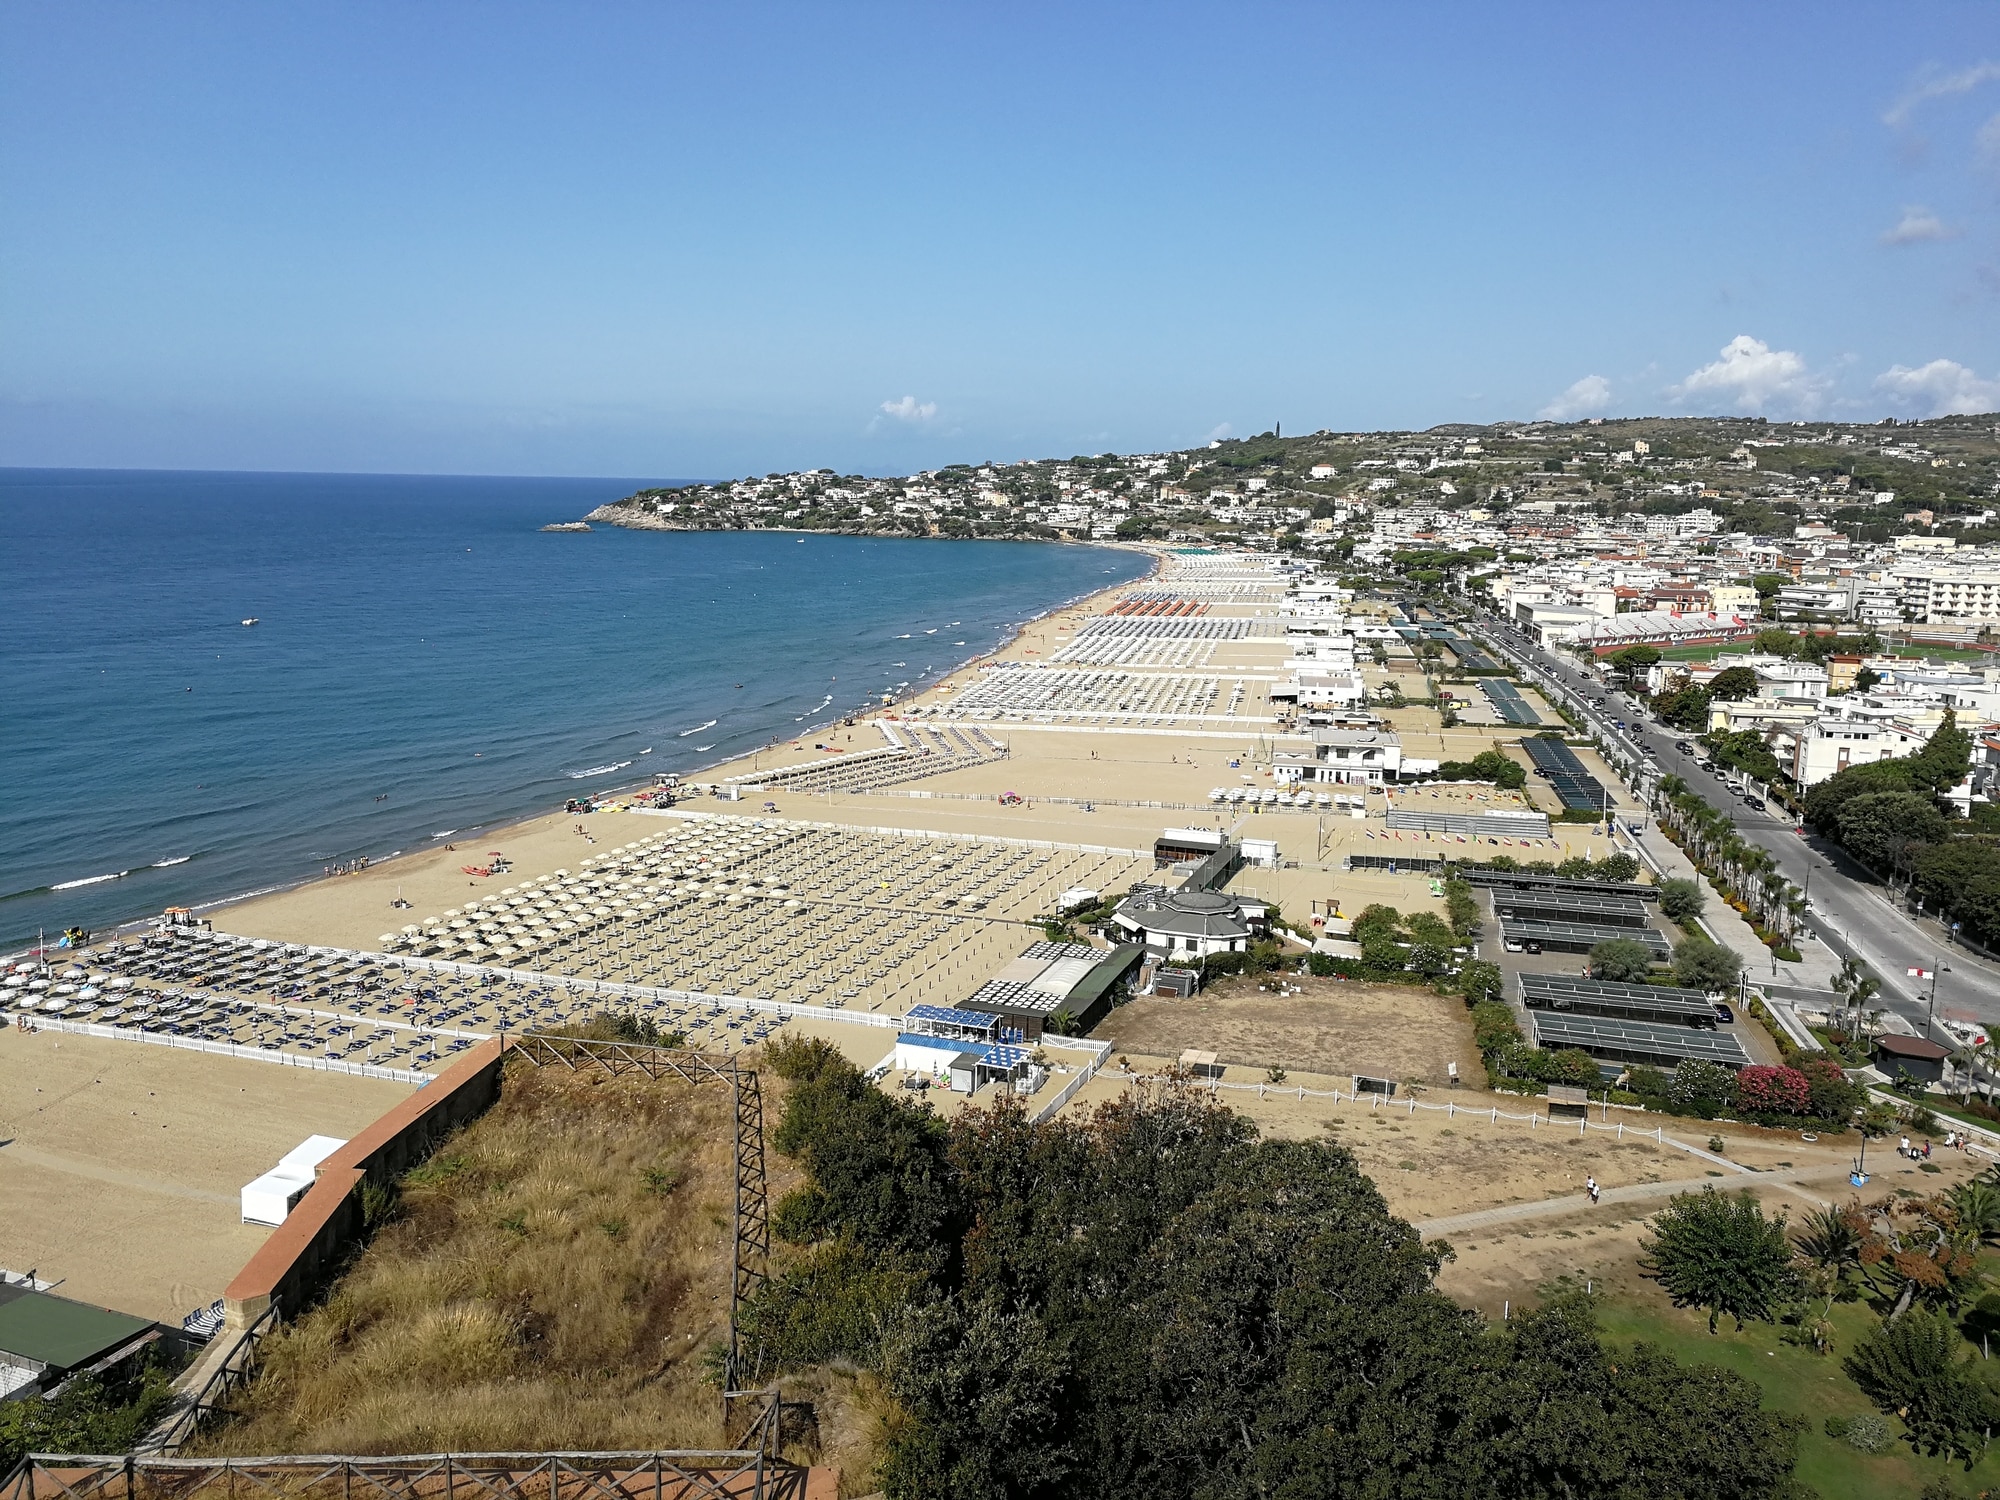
(1848, 906)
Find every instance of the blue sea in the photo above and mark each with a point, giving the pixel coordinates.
(425, 663)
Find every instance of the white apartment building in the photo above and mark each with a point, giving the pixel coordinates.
(1835, 741)
(1970, 596)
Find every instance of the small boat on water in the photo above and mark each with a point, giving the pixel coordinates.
(251, 621)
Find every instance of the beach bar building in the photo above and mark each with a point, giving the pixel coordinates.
(1052, 978)
(1190, 924)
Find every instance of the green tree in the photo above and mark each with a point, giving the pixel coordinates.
(1461, 908)
(1634, 660)
(1429, 960)
(1718, 1251)
(1733, 684)
(1683, 707)
(1884, 829)
(1962, 879)
(1621, 960)
(1777, 641)
(1946, 757)
(1682, 900)
(1480, 981)
(985, 1389)
(874, 1163)
(1702, 965)
(1825, 800)
(1917, 1366)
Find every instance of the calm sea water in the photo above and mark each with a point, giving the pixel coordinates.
(426, 662)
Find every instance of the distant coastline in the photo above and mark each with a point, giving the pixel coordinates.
(626, 514)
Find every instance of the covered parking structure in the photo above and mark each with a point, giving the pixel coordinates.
(1635, 1043)
(1508, 703)
(1600, 908)
(1660, 1003)
(1528, 880)
(1578, 937)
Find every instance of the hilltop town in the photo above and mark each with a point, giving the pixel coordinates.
(1675, 493)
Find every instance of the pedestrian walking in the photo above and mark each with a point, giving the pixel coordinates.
(1590, 1187)
(1904, 1148)
(1927, 1150)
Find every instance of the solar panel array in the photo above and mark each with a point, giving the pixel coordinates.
(1567, 777)
(1635, 1041)
(1508, 702)
(1661, 1002)
(1571, 906)
(1579, 937)
(1524, 880)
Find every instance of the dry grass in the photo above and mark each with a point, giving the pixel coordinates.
(553, 1279)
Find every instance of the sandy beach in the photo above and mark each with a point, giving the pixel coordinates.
(830, 885)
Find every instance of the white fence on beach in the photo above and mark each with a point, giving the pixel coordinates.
(220, 1049)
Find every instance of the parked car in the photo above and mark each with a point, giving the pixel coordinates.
(1724, 1014)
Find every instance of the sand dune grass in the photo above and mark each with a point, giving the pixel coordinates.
(552, 1278)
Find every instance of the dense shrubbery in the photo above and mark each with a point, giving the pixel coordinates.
(1806, 1093)
(90, 1416)
(1511, 1062)
(1616, 868)
(1487, 765)
(1154, 1303)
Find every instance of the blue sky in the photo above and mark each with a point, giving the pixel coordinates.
(702, 241)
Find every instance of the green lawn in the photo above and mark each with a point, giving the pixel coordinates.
(1946, 653)
(1812, 1386)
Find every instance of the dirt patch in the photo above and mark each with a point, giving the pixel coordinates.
(1334, 1028)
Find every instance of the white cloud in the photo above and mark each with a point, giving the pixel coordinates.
(1753, 378)
(1942, 388)
(1918, 226)
(1590, 394)
(910, 409)
(1964, 81)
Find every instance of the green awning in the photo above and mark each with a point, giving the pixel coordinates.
(58, 1332)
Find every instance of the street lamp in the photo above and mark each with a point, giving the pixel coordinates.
(1932, 975)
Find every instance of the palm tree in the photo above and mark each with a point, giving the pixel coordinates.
(1832, 1237)
(1978, 1205)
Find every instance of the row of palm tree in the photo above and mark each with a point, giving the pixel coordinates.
(1743, 870)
